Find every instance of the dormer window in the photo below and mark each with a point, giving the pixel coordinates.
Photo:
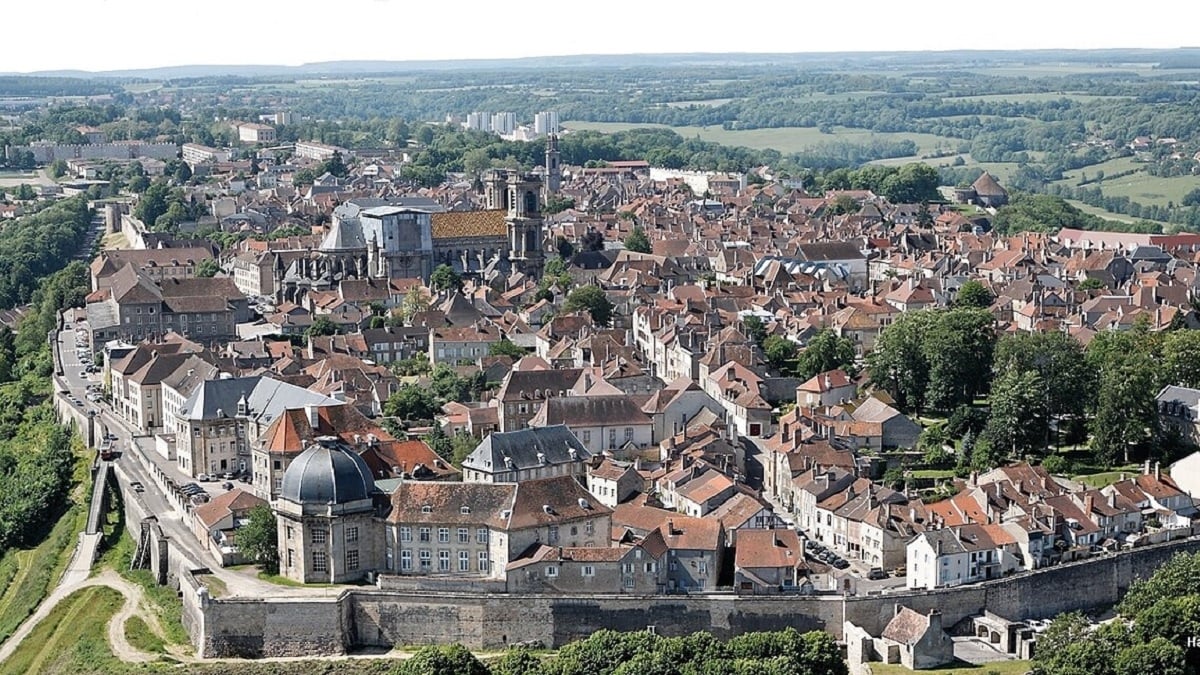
(426, 509)
(464, 509)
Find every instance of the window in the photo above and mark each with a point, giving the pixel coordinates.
(586, 436)
(352, 560)
(427, 509)
(423, 534)
(444, 535)
(320, 564)
(651, 568)
(425, 558)
(629, 582)
(483, 561)
(405, 533)
(464, 561)
(319, 536)
(574, 530)
(552, 536)
(481, 535)
(627, 568)
(628, 434)
(464, 535)
(291, 557)
(588, 571)
(351, 534)
(589, 527)
(702, 568)
(443, 561)
(290, 534)
(612, 438)
(522, 408)
(551, 571)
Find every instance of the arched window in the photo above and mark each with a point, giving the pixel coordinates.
(531, 205)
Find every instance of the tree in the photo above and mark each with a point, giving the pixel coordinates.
(25, 192)
(207, 268)
(973, 294)
(57, 169)
(1017, 423)
(593, 300)
(897, 364)
(1125, 418)
(517, 661)
(258, 539)
(779, 351)
(439, 442)
(1060, 361)
(754, 328)
(958, 348)
(322, 326)
(1158, 656)
(153, 203)
(637, 241)
(442, 660)
(444, 278)
(1181, 358)
(415, 301)
(411, 402)
(826, 351)
(1091, 284)
(506, 347)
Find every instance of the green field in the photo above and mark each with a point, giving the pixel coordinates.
(1096, 211)
(73, 638)
(783, 139)
(26, 576)
(705, 102)
(1146, 189)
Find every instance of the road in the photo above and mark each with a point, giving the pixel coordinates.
(139, 461)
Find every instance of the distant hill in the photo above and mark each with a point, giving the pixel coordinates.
(1188, 57)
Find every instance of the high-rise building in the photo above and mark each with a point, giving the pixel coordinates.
(545, 123)
(479, 121)
(504, 122)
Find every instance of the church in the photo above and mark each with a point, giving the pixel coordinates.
(409, 237)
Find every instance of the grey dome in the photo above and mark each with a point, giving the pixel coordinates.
(328, 472)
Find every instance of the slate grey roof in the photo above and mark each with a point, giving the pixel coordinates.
(266, 398)
(328, 472)
(520, 450)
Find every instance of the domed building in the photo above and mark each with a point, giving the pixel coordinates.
(325, 509)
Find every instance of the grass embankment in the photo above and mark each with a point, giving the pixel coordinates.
(73, 638)
(162, 600)
(28, 575)
(960, 668)
(142, 637)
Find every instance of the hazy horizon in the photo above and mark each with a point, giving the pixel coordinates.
(227, 33)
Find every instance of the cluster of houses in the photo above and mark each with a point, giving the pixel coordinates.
(660, 452)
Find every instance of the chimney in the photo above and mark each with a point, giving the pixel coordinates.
(1089, 503)
(314, 419)
(1157, 471)
(1112, 500)
(1146, 468)
(935, 621)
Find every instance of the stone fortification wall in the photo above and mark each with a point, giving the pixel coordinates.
(362, 617)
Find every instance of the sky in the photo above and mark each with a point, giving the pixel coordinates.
(97, 35)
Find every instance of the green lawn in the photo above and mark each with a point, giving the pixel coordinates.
(933, 474)
(998, 667)
(1146, 189)
(26, 576)
(783, 139)
(73, 638)
(141, 637)
(1097, 211)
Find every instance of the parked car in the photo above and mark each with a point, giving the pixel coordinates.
(227, 485)
(137, 486)
(203, 478)
(876, 574)
(840, 563)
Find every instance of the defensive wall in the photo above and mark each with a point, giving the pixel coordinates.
(371, 617)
